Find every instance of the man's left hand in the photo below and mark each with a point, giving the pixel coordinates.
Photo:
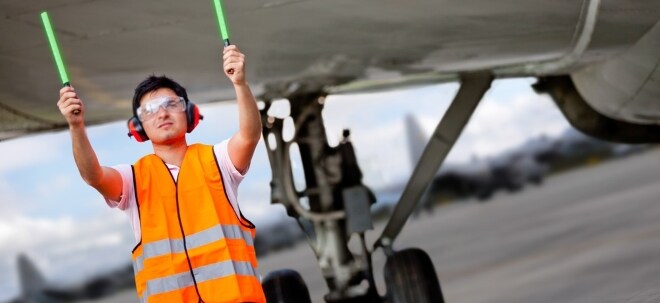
(234, 61)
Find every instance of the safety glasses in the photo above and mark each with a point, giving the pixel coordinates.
(149, 109)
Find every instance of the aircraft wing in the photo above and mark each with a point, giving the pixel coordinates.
(294, 46)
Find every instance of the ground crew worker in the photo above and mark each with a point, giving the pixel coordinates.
(194, 245)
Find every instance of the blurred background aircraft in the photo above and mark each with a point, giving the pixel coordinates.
(512, 169)
(36, 289)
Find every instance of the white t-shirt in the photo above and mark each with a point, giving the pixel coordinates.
(230, 176)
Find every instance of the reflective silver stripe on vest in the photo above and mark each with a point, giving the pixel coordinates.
(208, 236)
(202, 274)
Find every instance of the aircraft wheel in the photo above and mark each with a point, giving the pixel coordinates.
(410, 277)
(285, 286)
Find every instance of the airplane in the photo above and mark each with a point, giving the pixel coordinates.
(35, 288)
(480, 177)
(510, 170)
(513, 169)
(597, 60)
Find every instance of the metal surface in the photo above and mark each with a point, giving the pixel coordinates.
(627, 86)
(341, 269)
(291, 46)
(357, 206)
(584, 32)
(473, 87)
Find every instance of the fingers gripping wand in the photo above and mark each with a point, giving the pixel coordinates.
(224, 32)
(50, 34)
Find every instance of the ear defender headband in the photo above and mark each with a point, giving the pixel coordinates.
(136, 130)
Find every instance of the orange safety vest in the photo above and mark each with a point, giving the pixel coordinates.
(194, 248)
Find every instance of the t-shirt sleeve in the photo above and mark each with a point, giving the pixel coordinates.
(221, 152)
(230, 175)
(127, 202)
(126, 173)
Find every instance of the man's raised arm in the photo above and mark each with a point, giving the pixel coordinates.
(104, 179)
(241, 146)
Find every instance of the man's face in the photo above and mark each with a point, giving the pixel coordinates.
(163, 116)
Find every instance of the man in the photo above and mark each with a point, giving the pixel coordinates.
(194, 245)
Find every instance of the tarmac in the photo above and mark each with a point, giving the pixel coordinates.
(588, 235)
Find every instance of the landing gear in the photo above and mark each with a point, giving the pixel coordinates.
(285, 286)
(337, 204)
(410, 277)
(331, 187)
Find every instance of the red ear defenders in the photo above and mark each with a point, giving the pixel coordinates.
(136, 130)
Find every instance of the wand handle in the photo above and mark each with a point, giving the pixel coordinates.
(67, 84)
(227, 43)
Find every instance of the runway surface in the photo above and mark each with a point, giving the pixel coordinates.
(589, 235)
(126, 296)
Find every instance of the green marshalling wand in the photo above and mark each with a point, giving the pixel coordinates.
(50, 34)
(219, 12)
(224, 32)
(59, 62)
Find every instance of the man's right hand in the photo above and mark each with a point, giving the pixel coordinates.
(71, 107)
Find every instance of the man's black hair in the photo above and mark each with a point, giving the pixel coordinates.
(153, 83)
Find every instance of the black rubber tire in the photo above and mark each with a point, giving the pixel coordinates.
(410, 277)
(285, 286)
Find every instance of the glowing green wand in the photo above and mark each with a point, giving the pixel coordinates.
(219, 12)
(56, 52)
(224, 32)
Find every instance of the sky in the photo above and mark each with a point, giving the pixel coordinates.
(65, 227)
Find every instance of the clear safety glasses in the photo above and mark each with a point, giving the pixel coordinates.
(149, 109)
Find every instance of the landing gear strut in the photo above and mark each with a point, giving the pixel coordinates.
(328, 193)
